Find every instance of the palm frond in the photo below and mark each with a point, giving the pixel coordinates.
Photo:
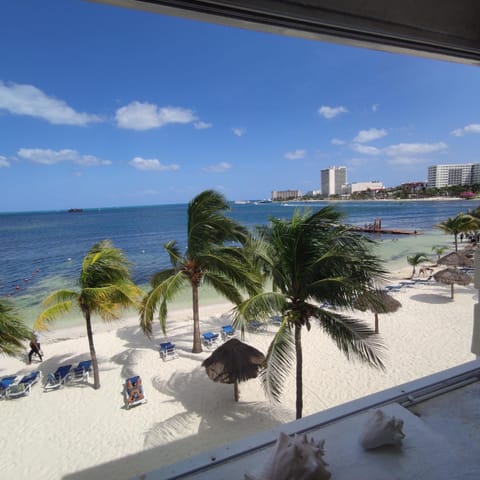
(208, 225)
(279, 360)
(173, 252)
(159, 296)
(61, 296)
(260, 306)
(51, 314)
(161, 276)
(352, 337)
(13, 331)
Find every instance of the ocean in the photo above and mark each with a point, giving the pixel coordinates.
(42, 251)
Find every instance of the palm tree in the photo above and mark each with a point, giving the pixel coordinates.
(439, 250)
(416, 260)
(213, 256)
(105, 289)
(313, 260)
(12, 329)
(461, 223)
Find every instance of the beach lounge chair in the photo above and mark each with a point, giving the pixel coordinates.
(5, 382)
(23, 386)
(210, 339)
(168, 351)
(228, 332)
(276, 320)
(57, 379)
(133, 392)
(256, 326)
(81, 372)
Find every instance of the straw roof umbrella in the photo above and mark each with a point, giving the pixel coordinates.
(233, 362)
(456, 259)
(452, 276)
(377, 302)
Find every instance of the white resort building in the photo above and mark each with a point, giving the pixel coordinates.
(332, 180)
(453, 174)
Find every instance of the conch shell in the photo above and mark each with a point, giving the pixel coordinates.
(295, 458)
(380, 430)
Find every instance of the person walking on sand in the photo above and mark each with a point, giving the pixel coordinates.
(34, 347)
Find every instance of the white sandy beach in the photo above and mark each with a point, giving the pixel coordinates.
(78, 432)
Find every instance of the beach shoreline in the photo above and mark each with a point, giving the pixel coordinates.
(187, 413)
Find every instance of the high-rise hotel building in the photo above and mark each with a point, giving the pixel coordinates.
(332, 179)
(454, 174)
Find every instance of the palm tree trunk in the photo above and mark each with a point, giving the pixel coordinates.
(299, 358)
(456, 242)
(377, 330)
(451, 291)
(236, 392)
(93, 354)
(197, 343)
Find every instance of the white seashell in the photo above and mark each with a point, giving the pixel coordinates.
(295, 458)
(380, 430)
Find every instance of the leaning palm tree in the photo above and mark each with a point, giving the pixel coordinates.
(13, 332)
(461, 223)
(417, 259)
(105, 288)
(314, 260)
(213, 256)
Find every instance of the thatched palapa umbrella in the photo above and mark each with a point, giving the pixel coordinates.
(377, 302)
(456, 259)
(233, 362)
(452, 276)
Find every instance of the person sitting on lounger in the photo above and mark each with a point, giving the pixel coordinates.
(134, 390)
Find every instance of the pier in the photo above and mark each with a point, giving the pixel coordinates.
(376, 227)
(388, 231)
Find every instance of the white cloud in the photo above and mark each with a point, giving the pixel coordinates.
(331, 112)
(218, 168)
(152, 164)
(408, 149)
(239, 132)
(337, 141)
(4, 163)
(365, 149)
(31, 101)
(404, 152)
(202, 125)
(375, 107)
(145, 116)
(472, 128)
(406, 160)
(365, 136)
(50, 157)
(295, 155)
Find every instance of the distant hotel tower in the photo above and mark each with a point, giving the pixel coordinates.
(332, 179)
(457, 174)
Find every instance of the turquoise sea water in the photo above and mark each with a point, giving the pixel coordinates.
(42, 251)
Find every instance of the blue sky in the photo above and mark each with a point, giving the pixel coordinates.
(102, 106)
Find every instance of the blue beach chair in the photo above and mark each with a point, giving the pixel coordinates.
(256, 326)
(168, 351)
(23, 386)
(81, 372)
(133, 392)
(5, 382)
(228, 332)
(57, 379)
(210, 339)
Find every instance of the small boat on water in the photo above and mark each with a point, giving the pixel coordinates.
(75, 210)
